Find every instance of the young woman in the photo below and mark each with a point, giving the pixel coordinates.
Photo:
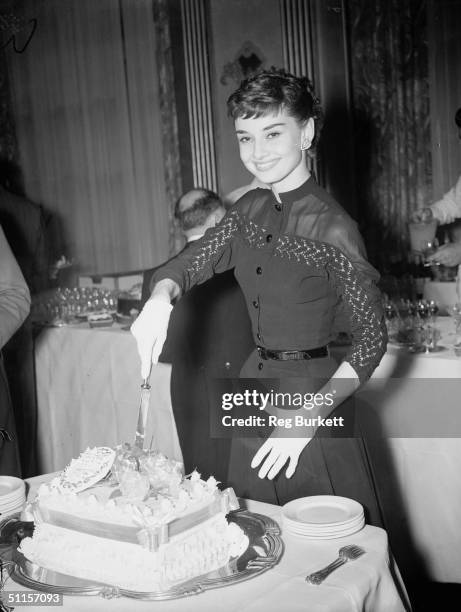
(300, 262)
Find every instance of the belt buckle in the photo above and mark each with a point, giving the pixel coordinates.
(289, 355)
(285, 355)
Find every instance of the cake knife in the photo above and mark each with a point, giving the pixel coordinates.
(142, 415)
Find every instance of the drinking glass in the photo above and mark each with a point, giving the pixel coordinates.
(421, 314)
(431, 336)
(433, 309)
(422, 309)
(390, 313)
(455, 312)
(422, 233)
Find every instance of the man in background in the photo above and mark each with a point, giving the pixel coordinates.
(209, 336)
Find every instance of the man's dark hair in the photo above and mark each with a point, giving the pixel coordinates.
(458, 117)
(270, 91)
(196, 215)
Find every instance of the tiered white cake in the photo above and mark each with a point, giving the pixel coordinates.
(140, 539)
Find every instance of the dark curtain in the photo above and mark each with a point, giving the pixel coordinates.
(8, 143)
(169, 120)
(390, 93)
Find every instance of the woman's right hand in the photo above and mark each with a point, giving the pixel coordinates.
(150, 329)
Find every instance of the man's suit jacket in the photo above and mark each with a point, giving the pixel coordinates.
(31, 234)
(209, 336)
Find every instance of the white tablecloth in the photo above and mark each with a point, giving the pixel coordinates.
(365, 585)
(415, 400)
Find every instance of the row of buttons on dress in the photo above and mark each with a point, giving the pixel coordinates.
(259, 271)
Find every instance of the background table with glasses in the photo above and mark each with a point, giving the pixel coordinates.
(371, 583)
(88, 388)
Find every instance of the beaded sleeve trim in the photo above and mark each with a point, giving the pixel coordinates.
(367, 321)
(217, 240)
(359, 293)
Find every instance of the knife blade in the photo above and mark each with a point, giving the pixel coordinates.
(142, 415)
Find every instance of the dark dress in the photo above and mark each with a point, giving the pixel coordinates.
(301, 266)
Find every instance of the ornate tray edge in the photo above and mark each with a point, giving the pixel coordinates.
(273, 548)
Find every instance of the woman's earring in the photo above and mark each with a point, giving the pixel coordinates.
(305, 144)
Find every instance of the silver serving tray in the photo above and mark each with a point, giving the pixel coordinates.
(264, 551)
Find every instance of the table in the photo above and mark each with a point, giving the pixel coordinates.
(88, 394)
(411, 417)
(370, 584)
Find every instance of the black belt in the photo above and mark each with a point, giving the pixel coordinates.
(321, 351)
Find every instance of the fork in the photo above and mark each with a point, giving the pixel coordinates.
(346, 553)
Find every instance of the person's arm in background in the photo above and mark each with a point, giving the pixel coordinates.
(14, 293)
(445, 211)
(448, 208)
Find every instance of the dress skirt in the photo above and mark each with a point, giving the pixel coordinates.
(327, 465)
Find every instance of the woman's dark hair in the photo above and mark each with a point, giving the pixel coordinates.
(458, 117)
(270, 91)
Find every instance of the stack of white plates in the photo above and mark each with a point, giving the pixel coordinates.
(322, 517)
(12, 495)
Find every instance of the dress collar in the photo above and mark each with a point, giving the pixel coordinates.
(288, 197)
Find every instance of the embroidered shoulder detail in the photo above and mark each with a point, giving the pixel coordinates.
(360, 295)
(312, 252)
(254, 234)
(215, 241)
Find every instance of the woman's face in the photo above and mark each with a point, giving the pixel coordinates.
(270, 148)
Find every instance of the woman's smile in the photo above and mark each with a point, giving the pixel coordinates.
(266, 165)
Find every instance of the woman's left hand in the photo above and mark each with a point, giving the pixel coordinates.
(275, 452)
